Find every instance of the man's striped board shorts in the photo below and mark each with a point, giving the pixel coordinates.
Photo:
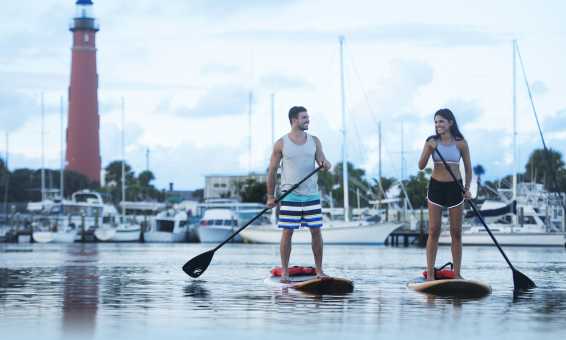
(300, 211)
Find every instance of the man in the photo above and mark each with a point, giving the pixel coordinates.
(297, 152)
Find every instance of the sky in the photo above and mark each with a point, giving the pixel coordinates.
(186, 70)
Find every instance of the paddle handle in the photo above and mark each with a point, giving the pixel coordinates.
(476, 211)
(295, 186)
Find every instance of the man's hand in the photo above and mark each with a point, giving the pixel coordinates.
(467, 194)
(325, 165)
(270, 201)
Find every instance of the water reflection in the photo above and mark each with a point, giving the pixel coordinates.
(80, 290)
(197, 290)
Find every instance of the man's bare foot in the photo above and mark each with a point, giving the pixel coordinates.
(284, 279)
(430, 277)
(321, 275)
(458, 277)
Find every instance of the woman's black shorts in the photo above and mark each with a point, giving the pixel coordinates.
(444, 194)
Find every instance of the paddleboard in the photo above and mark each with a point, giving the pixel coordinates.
(451, 287)
(313, 285)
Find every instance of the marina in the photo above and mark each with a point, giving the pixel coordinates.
(282, 170)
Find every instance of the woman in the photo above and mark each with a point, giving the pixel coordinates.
(442, 190)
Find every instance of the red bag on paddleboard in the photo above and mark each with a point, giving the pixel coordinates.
(441, 273)
(293, 271)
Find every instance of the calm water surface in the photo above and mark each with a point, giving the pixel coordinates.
(138, 291)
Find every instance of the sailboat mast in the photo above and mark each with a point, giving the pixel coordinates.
(272, 118)
(42, 147)
(514, 122)
(62, 156)
(123, 163)
(344, 135)
(250, 100)
(379, 148)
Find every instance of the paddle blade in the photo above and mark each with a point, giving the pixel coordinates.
(198, 264)
(521, 281)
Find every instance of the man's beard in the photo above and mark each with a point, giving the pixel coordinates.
(304, 127)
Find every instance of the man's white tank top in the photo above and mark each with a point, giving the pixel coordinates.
(298, 161)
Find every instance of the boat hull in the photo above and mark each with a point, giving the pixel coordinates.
(354, 234)
(127, 233)
(163, 237)
(53, 237)
(509, 239)
(212, 234)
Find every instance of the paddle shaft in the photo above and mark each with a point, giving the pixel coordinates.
(474, 209)
(266, 209)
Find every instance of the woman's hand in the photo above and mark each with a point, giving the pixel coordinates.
(431, 144)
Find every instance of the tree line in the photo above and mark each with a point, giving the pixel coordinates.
(24, 184)
(543, 167)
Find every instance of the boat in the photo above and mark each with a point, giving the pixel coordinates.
(222, 217)
(539, 221)
(126, 229)
(170, 225)
(361, 232)
(539, 218)
(60, 232)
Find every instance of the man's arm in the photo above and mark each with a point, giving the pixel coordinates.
(276, 156)
(319, 155)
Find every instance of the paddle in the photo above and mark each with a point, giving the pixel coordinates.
(198, 264)
(520, 280)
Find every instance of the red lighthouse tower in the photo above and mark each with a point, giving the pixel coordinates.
(83, 146)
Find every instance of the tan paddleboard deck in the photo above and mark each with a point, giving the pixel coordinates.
(314, 285)
(451, 287)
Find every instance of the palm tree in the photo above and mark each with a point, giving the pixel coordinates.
(479, 171)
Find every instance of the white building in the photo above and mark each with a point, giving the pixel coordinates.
(228, 186)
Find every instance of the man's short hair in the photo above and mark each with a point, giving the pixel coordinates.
(294, 112)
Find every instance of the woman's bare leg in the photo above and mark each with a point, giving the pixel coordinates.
(456, 234)
(434, 221)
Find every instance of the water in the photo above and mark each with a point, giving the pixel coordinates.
(138, 291)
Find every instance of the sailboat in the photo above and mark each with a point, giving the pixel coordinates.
(540, 218)
(334, 232)
(52, 228)
(127, 229)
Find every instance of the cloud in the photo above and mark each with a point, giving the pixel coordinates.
(465, 111)
(111, 141)
(16, 109)
(223, 8)
(277, 82)
(555, 123)
(431, 35)
(186, 164)
(219, 101)
(221, 69)
(539, 88)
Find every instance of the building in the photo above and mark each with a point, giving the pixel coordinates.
(83, 145)
(228, 186)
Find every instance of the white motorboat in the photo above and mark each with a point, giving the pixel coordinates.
(539, 222)
(217, 225)
(168, 226)
(222, 217)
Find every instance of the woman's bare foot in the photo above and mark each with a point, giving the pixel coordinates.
(430, 277)
(284, 279)
(321, 275)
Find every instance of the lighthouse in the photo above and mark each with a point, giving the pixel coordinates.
(83, 145)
